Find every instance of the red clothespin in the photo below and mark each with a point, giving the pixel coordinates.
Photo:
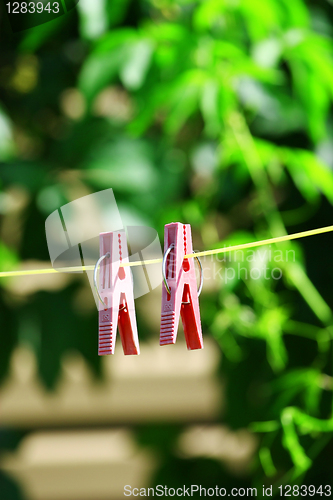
(115, 293)
(180, 294)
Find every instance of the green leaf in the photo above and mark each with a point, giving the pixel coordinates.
(116, 11)
(126, 165)
(105, 62)
(135, 66)
(267, 462)
(291, 442)
(270, 327)
(303, 381)
(36, 37)
(296, 13)
(309, 173)
(209, 13)
(185, 99)
(315, 97)
(260, 17)
(7, 147)
(93, 20)
(210, 107)
(8, 258)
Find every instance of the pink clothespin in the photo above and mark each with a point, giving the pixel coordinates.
(115, 293)
(180, 294)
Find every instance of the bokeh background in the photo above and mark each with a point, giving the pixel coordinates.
(216, 113)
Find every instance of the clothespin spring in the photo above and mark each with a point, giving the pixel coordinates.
(165, 257)
(107, 255)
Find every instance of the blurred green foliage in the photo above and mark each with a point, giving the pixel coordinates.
(217, 113)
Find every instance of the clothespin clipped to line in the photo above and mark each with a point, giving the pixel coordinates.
(179, 294)
(115, 294)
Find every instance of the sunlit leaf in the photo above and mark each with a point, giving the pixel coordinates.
(93, 21)
(6, 137)
(185, 100)
(134, 68)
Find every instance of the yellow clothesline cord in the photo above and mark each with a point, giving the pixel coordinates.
(279, 239)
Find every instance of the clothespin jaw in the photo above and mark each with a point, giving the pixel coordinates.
(179, 295)
(116, 307)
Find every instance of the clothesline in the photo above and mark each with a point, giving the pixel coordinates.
(253, 244)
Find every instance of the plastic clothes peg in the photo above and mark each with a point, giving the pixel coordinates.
(115, 293)
(180, 294)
